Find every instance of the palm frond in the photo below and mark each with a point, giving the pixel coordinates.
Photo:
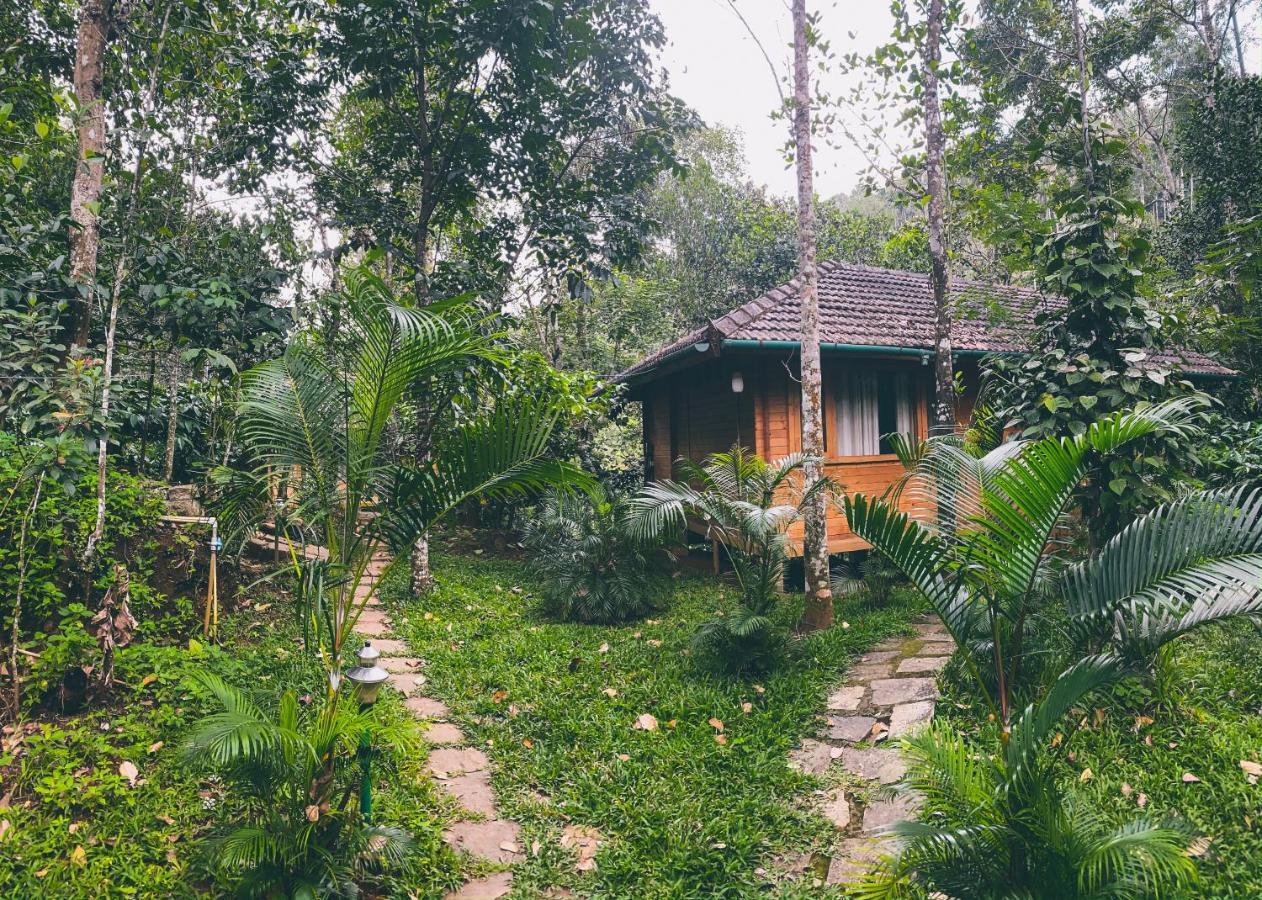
(1199, 556)
(1033, 727)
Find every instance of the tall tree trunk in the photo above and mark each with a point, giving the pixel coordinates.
(935, 177)
(120, 273)
(173, 412)
(85, 190)
(819, 599)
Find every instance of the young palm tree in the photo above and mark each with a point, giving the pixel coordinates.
(305, 837)
(739, 500)
(323, 426)
(1182, 566)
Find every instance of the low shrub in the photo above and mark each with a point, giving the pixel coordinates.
(593, 568)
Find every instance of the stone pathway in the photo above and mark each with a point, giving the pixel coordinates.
(889, 693)
(462, 771)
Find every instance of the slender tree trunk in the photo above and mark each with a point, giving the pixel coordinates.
(85, 190)
(173, 412)
(16, 633)
(819, 599)
(935, 176)
(144, 435)
(1084, 86)
(120, 273)
(1235, 30)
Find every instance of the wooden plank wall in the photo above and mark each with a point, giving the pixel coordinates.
(693, 413)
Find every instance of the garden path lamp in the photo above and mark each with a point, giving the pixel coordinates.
(367, 678)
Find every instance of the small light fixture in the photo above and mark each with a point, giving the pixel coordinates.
(924, 359)
(701, 346)
(738, 383)
(367, 676)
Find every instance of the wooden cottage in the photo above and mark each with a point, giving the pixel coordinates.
(734, 380)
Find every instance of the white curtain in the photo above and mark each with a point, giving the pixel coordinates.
(859, 396)
(858, 431)
(902, 403)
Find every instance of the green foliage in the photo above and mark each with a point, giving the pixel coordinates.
(736, 497)
(302, 838)
(993, 573)
(57, 526)
(324, 427)
(989, 830)
(594, 568)
(79, 828)
(1100, 343)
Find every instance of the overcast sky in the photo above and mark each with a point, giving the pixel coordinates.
(717, 68)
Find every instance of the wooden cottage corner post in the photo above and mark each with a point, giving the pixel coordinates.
(819, 600)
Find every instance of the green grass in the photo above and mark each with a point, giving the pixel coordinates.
(682, 814)
(1206, 712)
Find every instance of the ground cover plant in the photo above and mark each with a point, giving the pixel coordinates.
(682, 772)
(107, 804)
(1190, 754)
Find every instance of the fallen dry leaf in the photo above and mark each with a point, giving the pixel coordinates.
(1127, 790)
(1142, 800)
(155, 746)
(747, 708)
(646, 722)
(672, 723)
(79, 856)
(604, 648)
(312, 812)
(128, 770)
(1199, 846)
(1085, 776)
(148, 680)
(720, 738)
(611, 692)
(527, 743)
(499, 696)
(760, 689)
(1142, 722)
(165, 820)
(585, 841)
(41, 873)
(653, 642)
(624, 757)
(1189, 778)
(74, 827)
(428, 616)
(5, 825)
(1251, 768)
(716, 724)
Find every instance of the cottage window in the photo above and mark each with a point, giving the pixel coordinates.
(870, 407)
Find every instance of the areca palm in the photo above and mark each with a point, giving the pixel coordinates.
(997, 567)
(323, 423)
(747, 505)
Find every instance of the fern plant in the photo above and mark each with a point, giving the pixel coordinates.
(304, 836)
(595, 569)
(995, 568)
(747, 505)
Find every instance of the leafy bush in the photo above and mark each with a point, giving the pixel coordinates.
(737, 499)
(1232, 453)
(999, 821)
(304, 837)
(595, 569)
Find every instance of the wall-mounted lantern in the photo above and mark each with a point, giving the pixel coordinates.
(738, 383)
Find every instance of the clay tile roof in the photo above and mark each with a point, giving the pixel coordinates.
(871, 307)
